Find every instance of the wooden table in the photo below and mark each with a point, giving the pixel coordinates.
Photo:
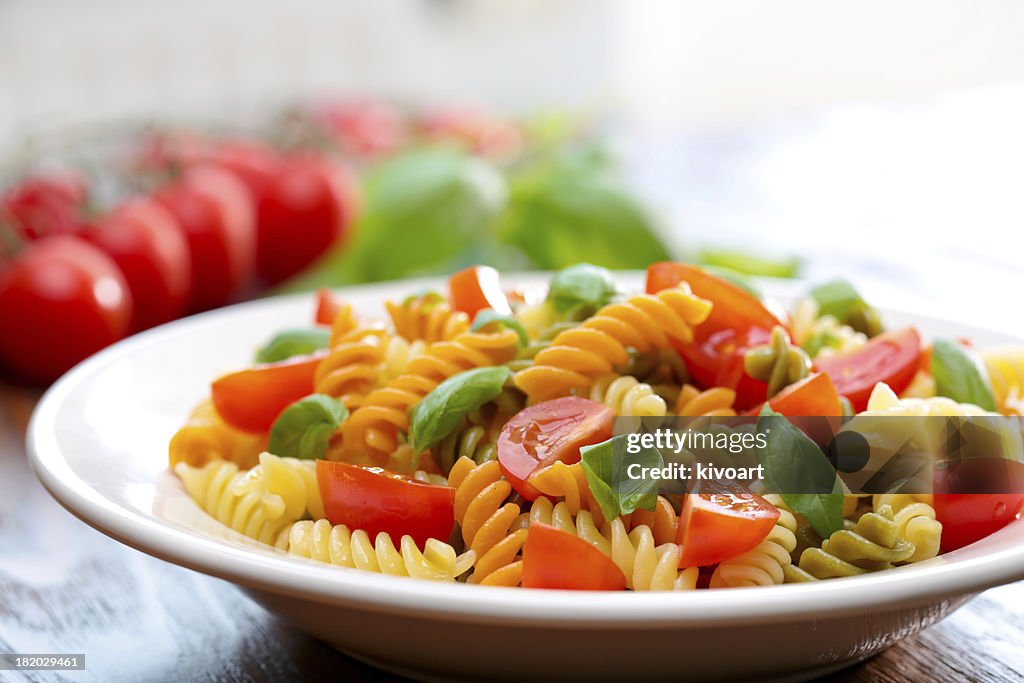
(66, 588)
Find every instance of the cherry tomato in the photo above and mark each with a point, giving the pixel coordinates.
(553, 558)
(477, 288)
(964, 506)
(480, 131)
(61, 300)
(327, 307)
(47, 204)
(365, 129)
(215, 210)
(376, 501)
(545, 432)
(719, 525)
(737, 322)
(255, 164)
(251, 399)
(891, 357)
(308, 206)
(813, 395)
(150, 248)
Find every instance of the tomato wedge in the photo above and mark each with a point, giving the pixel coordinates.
(813, 395)
(892, 357)
(553, 558)
(327, 307)
(545, 432)
(977, 497)
(376, 500)
(737, 322)
(719, 525)
(251, 399)
(477, 288)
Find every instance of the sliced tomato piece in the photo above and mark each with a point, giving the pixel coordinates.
(553, 558)
(545, 432)
(251, 399)
(892, 357)
(738, 321)
(477, 288)
(813, 395)
(722, 524)
(327, 307)
(376, 500)
(977, 497)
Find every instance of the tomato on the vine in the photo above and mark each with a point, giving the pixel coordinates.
(61, 300)
(150, 248)
(215, 211)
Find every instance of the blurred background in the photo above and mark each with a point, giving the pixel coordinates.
(875, 142)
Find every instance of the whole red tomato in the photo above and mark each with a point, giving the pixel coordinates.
(215, 210)
(47, 204)
(60, 301)
(306, 208)
(150, 248)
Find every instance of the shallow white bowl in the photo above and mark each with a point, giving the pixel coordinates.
(98, 441)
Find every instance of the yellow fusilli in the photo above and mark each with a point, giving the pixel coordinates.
(765, 564)
(627, 396)
(486, 521)
(1005, 367)
(714, 402)
(372, 429)
(341, 546)
(428, 317)
(597, 346)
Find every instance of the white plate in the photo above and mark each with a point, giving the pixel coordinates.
(98, 441)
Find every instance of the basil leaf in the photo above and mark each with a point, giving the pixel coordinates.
(423, 209)
(749, 263)
(958, 376)
(572, 210)
(606, 467)
(303, 429)
(796, 468)
(440, 411)
(295, 342)
(581, 289)
(489, 316)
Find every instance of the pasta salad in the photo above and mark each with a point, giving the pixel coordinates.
(466, 436)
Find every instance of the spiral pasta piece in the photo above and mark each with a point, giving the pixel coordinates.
(568, 482)
(338, 545)
(428, 317)
(1005, 367)
(765, 564)
(372, 429)
(487, 520)
(916, 522)
(872, 544)
(206, 437)
(261, 503)
(597, 346)
(714, 402)
(778, 362)
(663, 521)
(627, 396)
(361, 362)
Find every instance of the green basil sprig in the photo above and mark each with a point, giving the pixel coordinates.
(303, 429)
(489, 316)
(959, 376)
(581, 289)
(293, 342)
(605, 465)
(796, 468)
(440, 411)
